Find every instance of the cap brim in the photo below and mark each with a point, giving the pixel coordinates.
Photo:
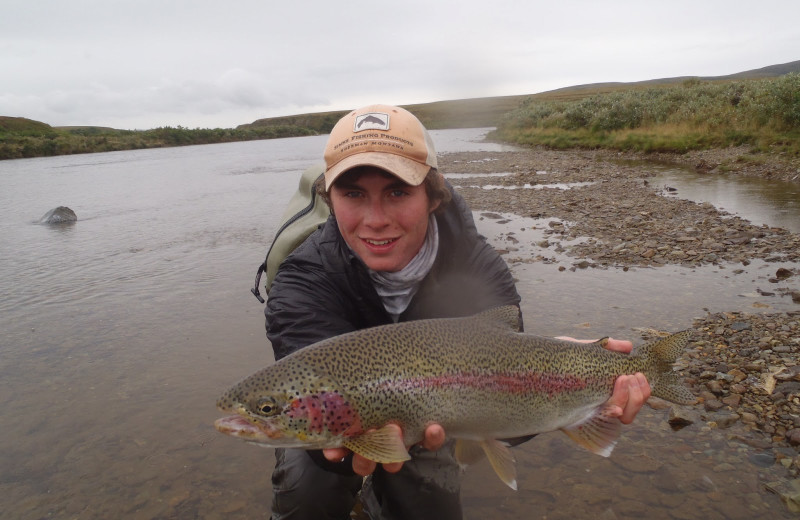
(407, 170)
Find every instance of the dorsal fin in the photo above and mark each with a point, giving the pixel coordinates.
(506, 316)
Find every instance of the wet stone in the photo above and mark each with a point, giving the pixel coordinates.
(725, 419)
(762, 460)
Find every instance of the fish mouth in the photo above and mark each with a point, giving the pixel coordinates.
(247, 429)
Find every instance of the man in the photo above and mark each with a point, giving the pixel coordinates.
(400, 245)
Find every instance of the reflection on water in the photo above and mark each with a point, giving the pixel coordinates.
(760, 201)
(120, 331)
(526, 186)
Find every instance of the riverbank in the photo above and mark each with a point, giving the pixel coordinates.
(740, 160)
(742, 366)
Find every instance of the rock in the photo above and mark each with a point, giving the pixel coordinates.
(680, 417)
(762, 460)
(788, 374)
(749, 418)
(791, 387)
(715, 387)
(738, 375)
(788, 491)
(793, 437)
(59, 215)
(733, 400)
(724, 419)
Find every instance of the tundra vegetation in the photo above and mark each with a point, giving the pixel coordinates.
(20, 137)
(673, 117)
(693, 115)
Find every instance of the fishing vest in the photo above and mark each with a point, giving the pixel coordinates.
(304, 214)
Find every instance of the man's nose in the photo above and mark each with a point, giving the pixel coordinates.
(376, 214)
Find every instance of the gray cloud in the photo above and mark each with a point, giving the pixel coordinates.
(147, 63)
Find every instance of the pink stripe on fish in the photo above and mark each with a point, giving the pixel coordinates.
(326, 411)
(549, 383)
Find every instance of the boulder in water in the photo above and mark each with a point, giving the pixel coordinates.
(59, 215)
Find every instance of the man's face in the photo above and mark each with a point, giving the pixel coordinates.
(383, 219)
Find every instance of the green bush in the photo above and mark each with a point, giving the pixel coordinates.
(690, 115)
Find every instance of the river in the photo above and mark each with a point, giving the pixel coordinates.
(120, 331)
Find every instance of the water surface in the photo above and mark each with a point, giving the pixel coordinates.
(761, 201)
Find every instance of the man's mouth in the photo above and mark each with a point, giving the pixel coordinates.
(384, 242)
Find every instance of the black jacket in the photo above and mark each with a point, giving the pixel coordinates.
(322, 289)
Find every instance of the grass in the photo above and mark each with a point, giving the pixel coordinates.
(764, 114)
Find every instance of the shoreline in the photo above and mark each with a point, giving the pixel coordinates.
(743, 367)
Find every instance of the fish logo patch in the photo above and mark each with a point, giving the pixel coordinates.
(371, 121)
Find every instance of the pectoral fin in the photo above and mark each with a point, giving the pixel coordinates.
(598, 433)
(500, 457)
(384, 445)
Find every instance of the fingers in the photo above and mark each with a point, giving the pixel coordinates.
(617, 345)
(434, 437)
(362, 466)
(630, 394)
(335, 454)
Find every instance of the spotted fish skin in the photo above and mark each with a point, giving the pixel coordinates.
(479, 377)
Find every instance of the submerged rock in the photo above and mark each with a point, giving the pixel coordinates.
(59, 215)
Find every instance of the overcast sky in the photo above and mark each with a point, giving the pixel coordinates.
(146, 63)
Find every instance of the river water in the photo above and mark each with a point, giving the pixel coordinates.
(120, 331)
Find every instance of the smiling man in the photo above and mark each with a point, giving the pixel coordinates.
(400, 245)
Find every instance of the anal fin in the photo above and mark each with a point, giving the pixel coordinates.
(500, 457)
(598, 433)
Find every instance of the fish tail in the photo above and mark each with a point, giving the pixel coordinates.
(660, 355)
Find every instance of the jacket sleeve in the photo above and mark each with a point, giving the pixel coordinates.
(303, 307)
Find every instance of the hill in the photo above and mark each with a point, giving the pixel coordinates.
(24, 126)
(488, 111)
(513, 115)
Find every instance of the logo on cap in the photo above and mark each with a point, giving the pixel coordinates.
(371, 121)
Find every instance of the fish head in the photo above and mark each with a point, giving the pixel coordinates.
(288, 408)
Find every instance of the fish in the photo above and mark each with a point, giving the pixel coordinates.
(479, 377)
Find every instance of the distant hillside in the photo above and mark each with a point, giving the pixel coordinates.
(21, 125)
(21, 137)
(481, 112)
(89, 130)
(459, 113)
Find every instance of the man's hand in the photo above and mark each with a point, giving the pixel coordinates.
(630, 391)
(434, 439)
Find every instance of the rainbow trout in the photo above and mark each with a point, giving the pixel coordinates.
(479, 377)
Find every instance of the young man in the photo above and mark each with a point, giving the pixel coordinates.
(400, 245)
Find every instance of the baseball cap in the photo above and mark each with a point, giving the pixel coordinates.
(387, 137)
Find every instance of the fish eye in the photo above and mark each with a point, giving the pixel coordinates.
(267, 406)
